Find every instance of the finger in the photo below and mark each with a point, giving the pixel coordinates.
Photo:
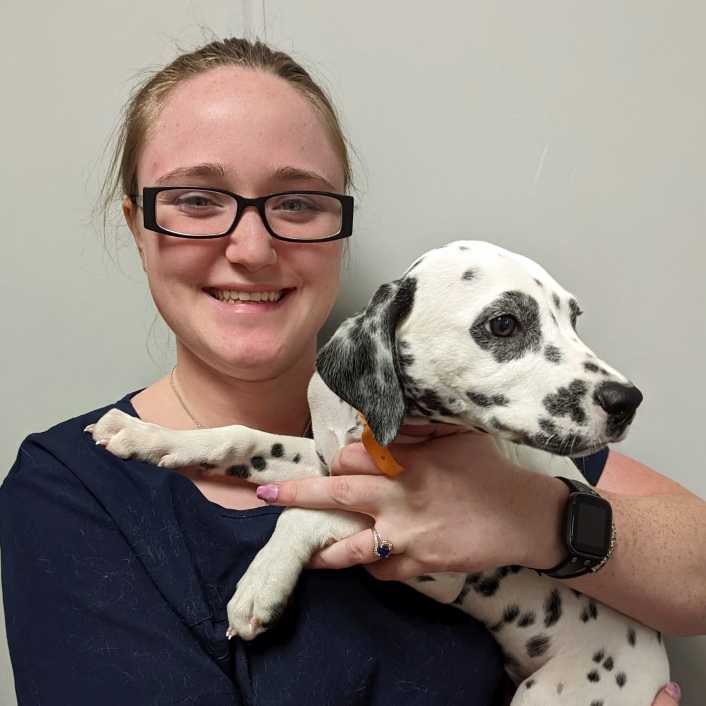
(396, 568)
(670, 695)
(353, 460)
(355, 493)
(351, 551)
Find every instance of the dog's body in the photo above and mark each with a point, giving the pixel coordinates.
(471, 335)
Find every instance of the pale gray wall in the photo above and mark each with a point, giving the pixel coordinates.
(572, 132)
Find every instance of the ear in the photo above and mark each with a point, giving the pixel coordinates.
(360, 363)
(130, 214)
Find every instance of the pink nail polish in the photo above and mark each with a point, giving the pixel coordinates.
(673, 690)
(268, 493)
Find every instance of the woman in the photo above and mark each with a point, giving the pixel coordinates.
(116, 573)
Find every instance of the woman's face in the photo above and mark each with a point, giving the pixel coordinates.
(259, 136)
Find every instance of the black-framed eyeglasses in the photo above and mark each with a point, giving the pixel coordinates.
(196, 212)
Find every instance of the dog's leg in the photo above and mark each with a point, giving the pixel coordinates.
(263, 591)
(236, 450)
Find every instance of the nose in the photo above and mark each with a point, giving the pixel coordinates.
(250, 243)
(618, 399)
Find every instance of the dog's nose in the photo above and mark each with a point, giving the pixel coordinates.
(618, 399)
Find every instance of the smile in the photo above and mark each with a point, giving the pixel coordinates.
(233, 296)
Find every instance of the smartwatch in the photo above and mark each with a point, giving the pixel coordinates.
(588, 532)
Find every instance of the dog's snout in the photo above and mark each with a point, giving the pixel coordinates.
(618, 399)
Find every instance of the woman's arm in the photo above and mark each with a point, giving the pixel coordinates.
(459, 506)
(657, 573)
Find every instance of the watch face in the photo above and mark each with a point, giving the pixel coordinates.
(590, 526)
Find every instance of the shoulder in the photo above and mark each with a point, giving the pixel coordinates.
(60, 469)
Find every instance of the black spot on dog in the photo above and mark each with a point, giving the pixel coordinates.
(511, 612)
(559, 688)
(527, 336)
(552, 354)
(547, 425)
(487, 586)
(526, 620)
(556, 300)
(567, 401)
(593, 609)
(463, 247)
(556, 323)
(578, 594)
(468, 583)
(552, 608)
(323, 466)
(426, 401)
(297, 458)
(631, 637)
(659, 637)
(468, 275)
(258, 463)
(404, 357)
(207, 466)
(538, 282)
(484, 401)
(584, 615)
(590, 367)
(598, 656)
(529, 683)
(598, 702)
(574, 312)
(608, 664)
(593, 675)
(277, 450)
(239, 471)
(537, 645)
(424, 578)
(620, 679)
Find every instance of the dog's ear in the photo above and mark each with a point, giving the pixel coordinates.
(360, 363)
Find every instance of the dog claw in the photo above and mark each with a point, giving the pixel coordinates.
(230, 632)
(90, 428)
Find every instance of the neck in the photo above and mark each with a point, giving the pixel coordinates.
(216, 398)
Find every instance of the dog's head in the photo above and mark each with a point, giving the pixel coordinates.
(475, 335)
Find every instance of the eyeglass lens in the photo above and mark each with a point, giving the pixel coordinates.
(203, 212)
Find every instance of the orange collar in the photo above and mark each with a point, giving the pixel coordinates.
(382, 457)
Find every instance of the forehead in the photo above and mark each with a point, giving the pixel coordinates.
(248, 120)
(472, 273)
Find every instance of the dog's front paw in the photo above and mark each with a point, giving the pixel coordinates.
(128, 437)
(261, 595)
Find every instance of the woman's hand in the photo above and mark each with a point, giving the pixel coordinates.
(458, 506)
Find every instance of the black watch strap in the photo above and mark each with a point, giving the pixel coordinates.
(581, 562)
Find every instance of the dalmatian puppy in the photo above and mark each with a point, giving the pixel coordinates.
(477, 336)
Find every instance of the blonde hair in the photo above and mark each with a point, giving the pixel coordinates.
(143, 107)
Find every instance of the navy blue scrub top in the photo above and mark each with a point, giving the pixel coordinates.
(116, 576)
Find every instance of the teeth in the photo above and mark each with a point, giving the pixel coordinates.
(235, 296)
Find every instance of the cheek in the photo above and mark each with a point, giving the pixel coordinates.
(322, 271)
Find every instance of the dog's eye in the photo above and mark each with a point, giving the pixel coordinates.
(503, 325)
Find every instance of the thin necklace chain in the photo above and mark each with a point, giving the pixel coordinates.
(173, 382)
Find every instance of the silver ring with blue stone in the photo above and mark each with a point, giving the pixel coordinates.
(382, 548)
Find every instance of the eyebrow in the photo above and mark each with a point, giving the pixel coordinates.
(214, 169)
(206, 169)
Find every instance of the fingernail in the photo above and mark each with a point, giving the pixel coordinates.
(673, 690)
(268, 493)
